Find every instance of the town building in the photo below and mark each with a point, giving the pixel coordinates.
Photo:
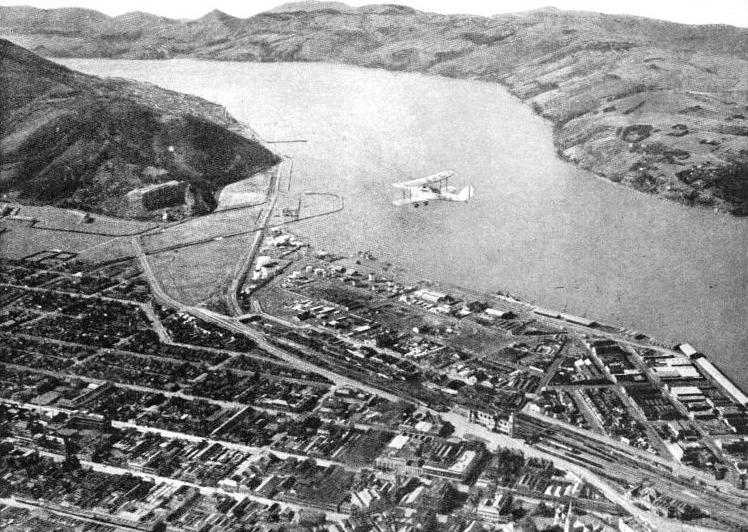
(430, 456)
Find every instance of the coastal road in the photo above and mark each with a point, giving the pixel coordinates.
(245, 263)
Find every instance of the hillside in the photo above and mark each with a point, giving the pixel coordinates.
(113, 146)
(657, 106)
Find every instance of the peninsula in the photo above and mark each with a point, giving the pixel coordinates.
(114, 146)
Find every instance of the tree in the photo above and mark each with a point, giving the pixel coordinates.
(526, 524)
(543, 510)
(430, 523)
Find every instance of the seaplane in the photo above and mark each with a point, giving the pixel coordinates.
(434, 187)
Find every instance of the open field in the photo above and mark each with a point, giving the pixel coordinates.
(196, 273)
(304, 206)
(246, 192)
(58, 219)
(100, 240)
(70, 220)
(20, 240)
(108, 250)
(215, 225)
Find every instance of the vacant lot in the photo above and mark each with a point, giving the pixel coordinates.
(215, 225)
(196, 273)
(19, 240)
(305, 206)
(73, 220)
(250, 191)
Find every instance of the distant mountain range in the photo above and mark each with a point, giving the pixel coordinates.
(312, 5)
(654, 105)
(73, 140)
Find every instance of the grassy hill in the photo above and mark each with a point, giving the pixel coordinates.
(72, 140)
(653, 105)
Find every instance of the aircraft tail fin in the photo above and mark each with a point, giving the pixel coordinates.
(466, 193)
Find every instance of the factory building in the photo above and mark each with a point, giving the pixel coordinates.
(719, 378)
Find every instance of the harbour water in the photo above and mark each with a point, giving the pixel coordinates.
(539, 227)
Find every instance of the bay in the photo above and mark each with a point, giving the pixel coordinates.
(539, 227)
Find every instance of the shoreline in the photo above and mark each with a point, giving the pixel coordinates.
(554, 126)
(511, 299)
(500, 87)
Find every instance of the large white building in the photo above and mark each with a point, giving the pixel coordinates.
(489, 510)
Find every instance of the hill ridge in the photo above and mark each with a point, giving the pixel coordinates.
(596, 77)
(111, 145)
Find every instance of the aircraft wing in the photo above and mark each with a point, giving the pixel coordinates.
(404, 201)
(424, 180)
(416, 196)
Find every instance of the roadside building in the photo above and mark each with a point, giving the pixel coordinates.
(490, 510)
(430, 456)
(431, 296)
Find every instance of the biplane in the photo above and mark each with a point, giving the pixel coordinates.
(434, 187)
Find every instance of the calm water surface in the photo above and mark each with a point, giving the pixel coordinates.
(539, 227)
